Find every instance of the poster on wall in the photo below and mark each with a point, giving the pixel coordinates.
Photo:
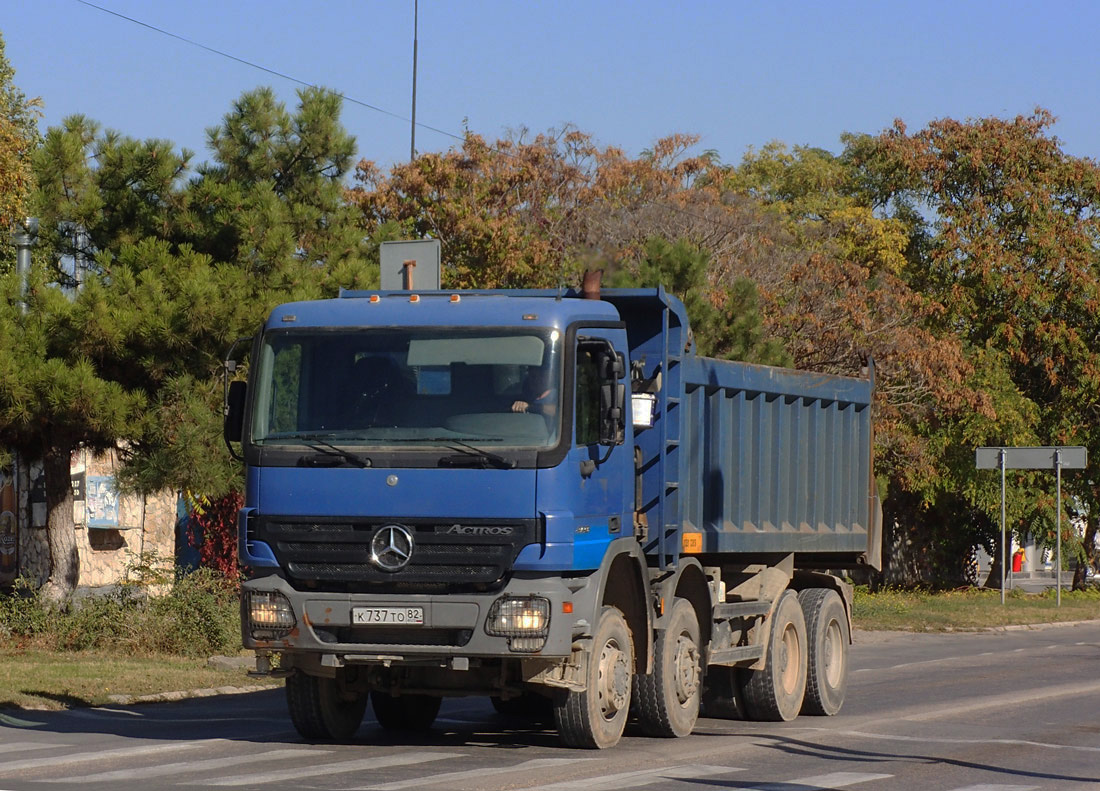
(102, 501)
(9, 536)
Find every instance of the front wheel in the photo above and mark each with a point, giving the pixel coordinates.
(668, 698)
(774, 693)
(321, 709)
(828, 637)
(595, 718)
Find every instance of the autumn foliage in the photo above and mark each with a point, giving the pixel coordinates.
(212, 528)
(963, 258)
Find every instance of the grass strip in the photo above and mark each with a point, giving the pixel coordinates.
(968, 609)
(42, 679)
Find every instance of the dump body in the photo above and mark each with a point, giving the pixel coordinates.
(748, 459)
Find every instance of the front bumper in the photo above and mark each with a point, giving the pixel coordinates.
(454, 624)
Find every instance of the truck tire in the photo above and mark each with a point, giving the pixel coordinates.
(595, 718)
(774, 693)
(668, 698)
(828, 637)
(405, 712)
(319, 709)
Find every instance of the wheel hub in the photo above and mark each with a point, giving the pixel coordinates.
(687, 669)
(614, 678)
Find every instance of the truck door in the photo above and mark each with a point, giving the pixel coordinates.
(599, 463)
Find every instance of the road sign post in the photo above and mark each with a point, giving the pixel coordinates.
(1057, 458)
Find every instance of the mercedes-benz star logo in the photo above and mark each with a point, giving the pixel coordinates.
(391, 548)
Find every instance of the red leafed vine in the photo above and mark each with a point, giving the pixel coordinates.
(212, 528)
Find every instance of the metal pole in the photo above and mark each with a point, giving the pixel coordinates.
(23, 239)
(412, 135)
(1058, 476)
(1004, 461)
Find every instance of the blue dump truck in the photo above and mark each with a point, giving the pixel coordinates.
(547, 498)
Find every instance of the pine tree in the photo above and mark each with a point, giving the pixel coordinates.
(180, 264)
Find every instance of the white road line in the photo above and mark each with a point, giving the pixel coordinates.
(818, 782)
(934, 740)
(833, 780)
(638, 779)
(403, 759)
(452, 777)
(103, 755)
(189, 767)
(969, 706)
(19, 746)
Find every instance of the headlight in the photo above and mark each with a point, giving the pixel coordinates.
(269, 615)
(525, 622)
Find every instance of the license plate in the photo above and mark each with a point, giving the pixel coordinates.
(389, 616)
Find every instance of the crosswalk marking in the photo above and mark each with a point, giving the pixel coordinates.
(15, 747)
(451, 777)
(638, 779)
(833, 780)
(102, 755)
(382, 762)
(180, 767)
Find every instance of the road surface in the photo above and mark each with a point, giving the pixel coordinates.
(1002, 711)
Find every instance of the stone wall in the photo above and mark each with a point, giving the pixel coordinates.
(114, 535)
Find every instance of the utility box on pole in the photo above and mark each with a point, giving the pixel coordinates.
(411, 265)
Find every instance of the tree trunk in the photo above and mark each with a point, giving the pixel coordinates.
(1088, 543)
(994, 579)
(60, 530)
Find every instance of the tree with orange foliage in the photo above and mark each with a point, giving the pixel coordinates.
(1011, 250)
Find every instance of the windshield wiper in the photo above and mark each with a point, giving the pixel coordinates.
(328, 451)
(468, 452)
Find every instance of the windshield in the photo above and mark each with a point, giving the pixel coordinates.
(432, 387)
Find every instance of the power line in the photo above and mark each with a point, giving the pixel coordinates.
(259, 67)
(345, 97)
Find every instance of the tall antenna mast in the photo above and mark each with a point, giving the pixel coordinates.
(412, 135)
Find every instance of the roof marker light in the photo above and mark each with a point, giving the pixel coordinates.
(530, 316)
(455, 298)
(414, 298)
(375, 298)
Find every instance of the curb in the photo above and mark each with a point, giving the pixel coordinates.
(1018, 627)
(169, 697)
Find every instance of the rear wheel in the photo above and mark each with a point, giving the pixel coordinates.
(668, 698)
(405, 712)
(774, 693)
(828, 638)
(320, 709)
(595, 718)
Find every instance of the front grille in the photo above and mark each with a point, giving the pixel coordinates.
(334, 555)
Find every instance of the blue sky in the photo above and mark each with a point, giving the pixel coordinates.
(738, 74)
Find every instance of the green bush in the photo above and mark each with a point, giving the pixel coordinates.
(22, 613)
(198, 616)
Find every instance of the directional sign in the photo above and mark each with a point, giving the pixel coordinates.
(1057, 458)
(1073, 457)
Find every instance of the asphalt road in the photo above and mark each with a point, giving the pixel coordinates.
(1003, 711)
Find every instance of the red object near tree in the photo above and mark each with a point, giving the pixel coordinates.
(1018, 561)
(213, 529)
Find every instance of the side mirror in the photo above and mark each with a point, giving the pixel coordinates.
(233, 425)
(612, 421)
